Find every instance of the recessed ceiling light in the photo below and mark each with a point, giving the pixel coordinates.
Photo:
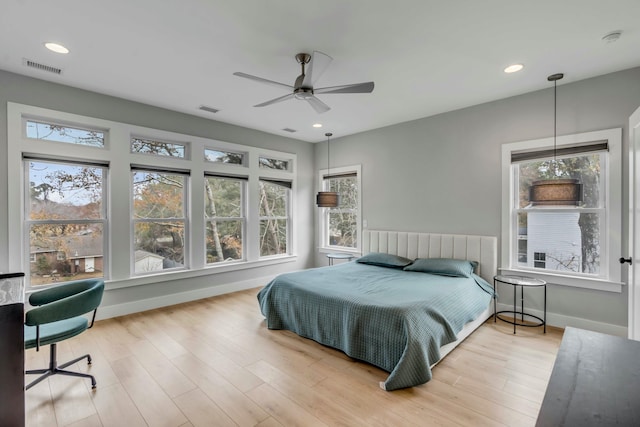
(317, 125)
(513, 68)
(55, 47)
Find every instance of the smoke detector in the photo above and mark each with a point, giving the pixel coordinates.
(611, 37)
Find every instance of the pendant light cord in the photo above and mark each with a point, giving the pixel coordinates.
(328, 135)
(555, 125)
(554, 78)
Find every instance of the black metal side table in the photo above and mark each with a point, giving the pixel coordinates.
(522, 282)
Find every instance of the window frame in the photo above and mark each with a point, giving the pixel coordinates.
(611, 249)
(323, 226)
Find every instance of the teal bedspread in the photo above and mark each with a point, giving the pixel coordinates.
(396, 320)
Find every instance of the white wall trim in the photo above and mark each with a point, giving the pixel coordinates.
(107, 312)
(562, 321)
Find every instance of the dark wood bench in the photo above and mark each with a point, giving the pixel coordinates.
(595, 382)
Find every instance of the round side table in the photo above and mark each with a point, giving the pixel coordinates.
(332, 257)
(522, 282)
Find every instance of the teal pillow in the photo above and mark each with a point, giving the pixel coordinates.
(384, 260)
(443, 266)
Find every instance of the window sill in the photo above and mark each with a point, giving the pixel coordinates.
(576, 282)
(186, 274)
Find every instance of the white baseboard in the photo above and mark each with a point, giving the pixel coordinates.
(106, 312)
(562, 321)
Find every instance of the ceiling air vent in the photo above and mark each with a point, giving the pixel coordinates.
(41, 67)
(208, 109)
(289, 130)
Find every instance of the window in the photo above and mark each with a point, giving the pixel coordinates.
(340, 226)
(569, 235)
(225, 219)
(171, 215)
(65, 219)
(60, 133)
(220, 156)
(274, 216)
(539, 260)
(158, 148)
(577, 245)
(270, 163)
(159, 220)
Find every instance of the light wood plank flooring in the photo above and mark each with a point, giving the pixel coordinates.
(214, 363)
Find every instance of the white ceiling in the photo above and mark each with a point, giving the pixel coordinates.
(425, 56)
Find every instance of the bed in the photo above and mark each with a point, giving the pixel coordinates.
(401, 318)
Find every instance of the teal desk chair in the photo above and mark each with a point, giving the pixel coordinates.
(57, 316)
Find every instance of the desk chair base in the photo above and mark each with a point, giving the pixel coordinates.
(54, 369)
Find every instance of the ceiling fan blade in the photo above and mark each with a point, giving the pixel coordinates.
(260, 79)
(317, 65)
(353, 88)
(275, 100)
(318, 105)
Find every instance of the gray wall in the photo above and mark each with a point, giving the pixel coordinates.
(443, 173)
(24, 90)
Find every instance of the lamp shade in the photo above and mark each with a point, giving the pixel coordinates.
(560, 192)
(328, 199)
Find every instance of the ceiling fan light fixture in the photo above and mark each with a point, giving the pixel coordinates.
(303, 94)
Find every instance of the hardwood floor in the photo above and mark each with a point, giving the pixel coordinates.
(213, 362)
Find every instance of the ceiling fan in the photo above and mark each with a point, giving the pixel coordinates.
(315, 64)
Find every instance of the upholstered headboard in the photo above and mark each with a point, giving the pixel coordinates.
(482, 249)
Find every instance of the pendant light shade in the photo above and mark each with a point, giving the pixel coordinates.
(560, 192)
(328, 199)
(556, 191)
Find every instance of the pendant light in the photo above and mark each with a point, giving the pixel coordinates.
(555, 191)
(328, 199)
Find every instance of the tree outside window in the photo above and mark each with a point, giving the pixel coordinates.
(225, 221)
(159, 220)
(274, 217)
(341, 223)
